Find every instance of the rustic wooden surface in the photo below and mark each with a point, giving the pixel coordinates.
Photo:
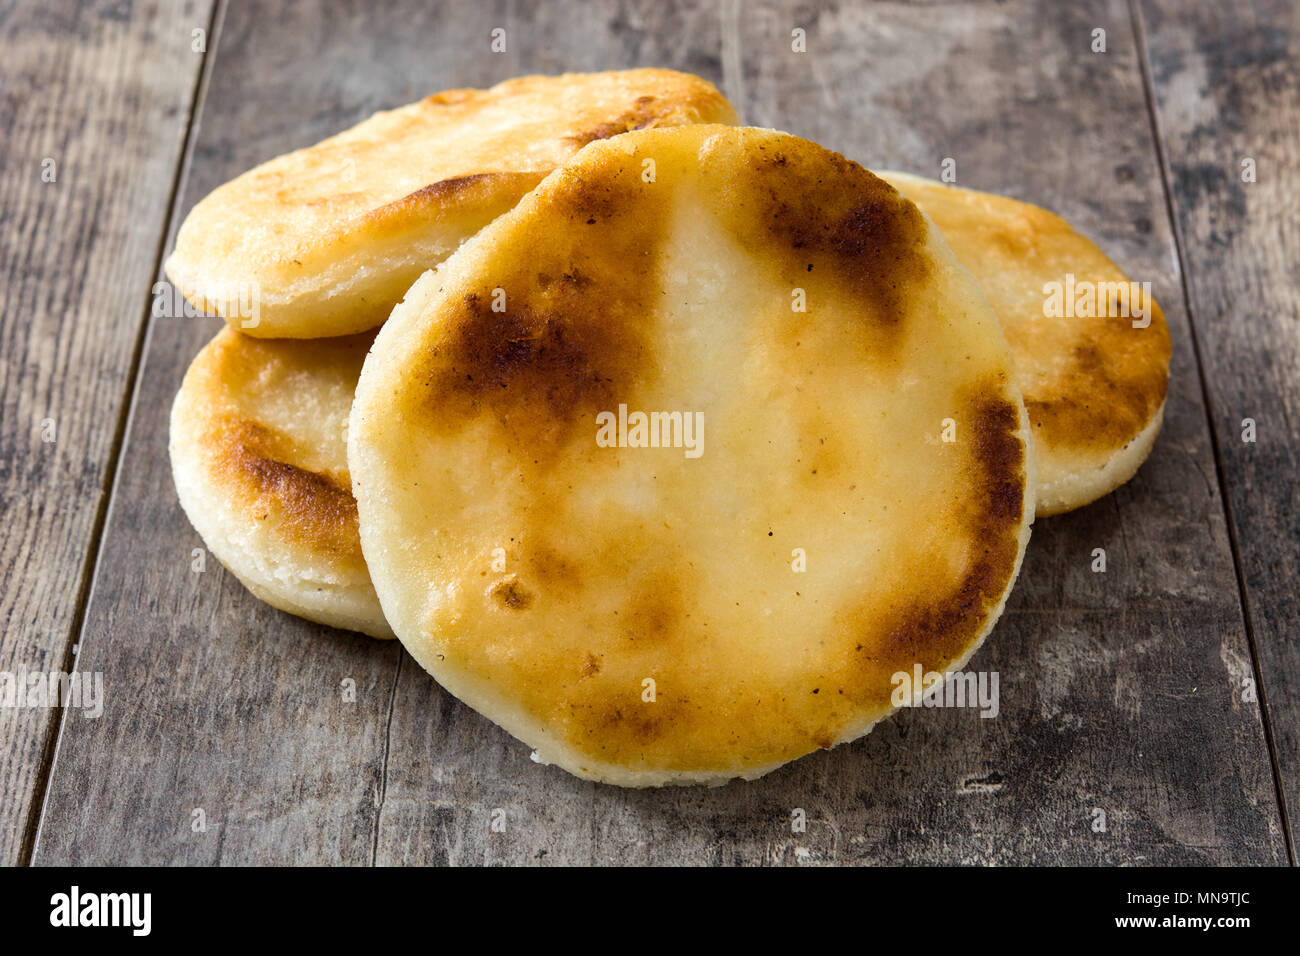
(1126, 692)
(97, 98)
(1228, 90)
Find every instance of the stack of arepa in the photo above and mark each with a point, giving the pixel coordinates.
(663, 442)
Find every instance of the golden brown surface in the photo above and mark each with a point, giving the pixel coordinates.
(543, 578)
(331, 236)
(259, 456)
(1094, 386)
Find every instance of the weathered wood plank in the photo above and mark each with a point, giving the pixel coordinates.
(1118, 691)
(216, 702)
(1227, 88)
(94, 104)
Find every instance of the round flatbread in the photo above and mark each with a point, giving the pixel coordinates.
(323, 241)
(674, 467)
(1091, 346)
(259, 457)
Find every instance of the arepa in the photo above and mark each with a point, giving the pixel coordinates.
(258, 452)
(1091, 345)
(671, 469)
(323, 241)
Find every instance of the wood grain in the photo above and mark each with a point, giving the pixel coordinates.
(95, 101)
(1227, 89)
(1119, 692)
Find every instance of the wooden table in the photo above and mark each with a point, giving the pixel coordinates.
(1148, 713)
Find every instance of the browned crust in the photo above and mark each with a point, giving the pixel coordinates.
(260, 469)
(314, 508)
(568, 338)
(936, 633)
(1115, 390)
(1106, 380)
(490, 193)
(830, 216)
(643, 114)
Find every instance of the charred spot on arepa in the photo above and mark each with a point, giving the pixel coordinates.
(562, 330)
(511, 594)
(825, 219)
(1111, 391)
(608, 189)
(935, 630)
(452, 186)
(642, 114)
(999, 466)
(996, 477)
(491, 193)
(631, 723)
(557, 360)
(315, 508)
(680, 730)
